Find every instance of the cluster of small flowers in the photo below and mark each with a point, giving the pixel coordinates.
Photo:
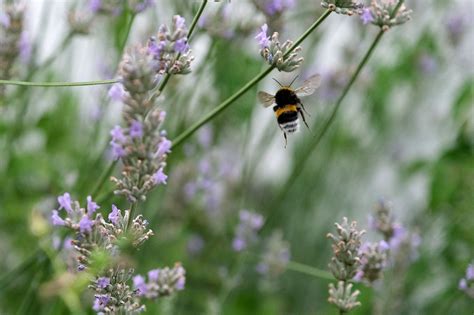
(170, 50)
(467, 284)
(246, 231)
(382, 13)
(13, 40)
(401, 242)
(161, 282)
(87, 225)
(276, 256)
(113, 295)
(276, 54)
(141, 146)
(274, 7)
(94, 233)
(347, 7)
(344, 265)
(373, 260)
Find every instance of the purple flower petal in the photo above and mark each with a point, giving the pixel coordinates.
(159, 177)
(56, 219)
(262, 38)
(103, 282)
(91, 206)
(114, 216)
(136, 129)
(164, 146)
(65, 202)
(117, 134)
(85, 225)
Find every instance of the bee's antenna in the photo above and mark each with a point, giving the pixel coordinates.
(294, 80)
(277, 82)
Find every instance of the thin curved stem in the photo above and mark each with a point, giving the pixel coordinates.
(103, 178)
(188, 132)
(58, 84)
(190, 33)
(309, 270)
(196, 18)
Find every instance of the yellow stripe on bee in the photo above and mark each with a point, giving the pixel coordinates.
(285, 109)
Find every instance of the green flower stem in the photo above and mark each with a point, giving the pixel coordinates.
(127, 32)
(196, 18)
(302, 268)
(103, 178)
(58, 84)
(188, 132)
(133, 207)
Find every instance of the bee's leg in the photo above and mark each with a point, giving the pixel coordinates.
(302, 116)
(286, 140)
(302, 106)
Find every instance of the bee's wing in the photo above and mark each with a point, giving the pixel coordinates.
(266, 99)
(309, 86)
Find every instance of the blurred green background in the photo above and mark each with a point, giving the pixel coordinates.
(403, 133)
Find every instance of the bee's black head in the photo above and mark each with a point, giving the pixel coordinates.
(286, 96)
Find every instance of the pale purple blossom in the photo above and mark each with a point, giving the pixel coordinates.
(238, 244)
(159, 177)
(470, 272)
(181, 282)
(246, 230)
(114, 215)
(180, 22)
(273, 7)
(462, 284)
(118, 151)
(140, 285)
(56, 219)
(101, 301)
(153, 275)
(95, 5)
(91, 206)
(156, 48)
(85, 225)
(164, 146)
(65, 202)
(262, 38)
(117, 134)
(366, 16)
(116, 92)
(136, 129)
(103, 282)
(181, 46)
(4, 19)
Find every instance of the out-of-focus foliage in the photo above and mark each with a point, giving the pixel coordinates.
(405, 133)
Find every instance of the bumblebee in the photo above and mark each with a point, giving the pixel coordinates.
(288, 104)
